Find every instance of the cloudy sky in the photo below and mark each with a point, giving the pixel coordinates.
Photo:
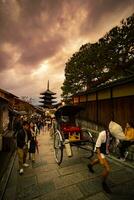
(37, 37)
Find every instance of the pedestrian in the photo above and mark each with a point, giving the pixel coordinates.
(22, 146)
(38, 125)
(102, 149)
(129, 135)
(17, 125)
(33, 142)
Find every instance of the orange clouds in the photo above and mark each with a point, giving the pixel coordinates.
(35, 32)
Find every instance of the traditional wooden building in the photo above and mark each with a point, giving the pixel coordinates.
(11, 105)
(6, 101)
(23, 107)
(111, 101)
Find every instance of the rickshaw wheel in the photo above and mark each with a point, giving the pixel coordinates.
(58, 147)
(89, 143)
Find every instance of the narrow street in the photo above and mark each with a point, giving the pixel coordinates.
(45, 180)
(67, 66)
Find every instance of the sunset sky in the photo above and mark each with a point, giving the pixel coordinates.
(37, 37)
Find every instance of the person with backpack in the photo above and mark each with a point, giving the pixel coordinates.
(102, 149)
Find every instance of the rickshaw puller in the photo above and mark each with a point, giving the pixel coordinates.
(102, 149)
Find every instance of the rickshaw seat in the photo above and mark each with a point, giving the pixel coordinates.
(71, 132)
(71, 129)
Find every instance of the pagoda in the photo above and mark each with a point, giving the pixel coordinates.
(47, 98)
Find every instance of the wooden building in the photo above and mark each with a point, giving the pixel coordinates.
(10, 105)
(6, 100)
(111, 101)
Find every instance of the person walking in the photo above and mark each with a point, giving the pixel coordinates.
(33, 144)
(102, 149)
(124, 144)
(17, 125)
(22, 146)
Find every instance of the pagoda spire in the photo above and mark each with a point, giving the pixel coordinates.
(48, 85)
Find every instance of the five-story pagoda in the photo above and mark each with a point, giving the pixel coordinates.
(47, 98)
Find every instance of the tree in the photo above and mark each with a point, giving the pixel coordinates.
(112, 57)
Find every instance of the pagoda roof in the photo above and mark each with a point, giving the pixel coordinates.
(46, 100)
(47, 92)
(47, 97)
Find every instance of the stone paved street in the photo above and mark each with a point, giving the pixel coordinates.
(45, 180)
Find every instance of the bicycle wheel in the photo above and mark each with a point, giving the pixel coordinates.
(88, 143)
(58, 147)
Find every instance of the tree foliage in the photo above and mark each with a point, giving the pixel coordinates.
(112, 57)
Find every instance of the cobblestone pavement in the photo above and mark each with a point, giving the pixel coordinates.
(45, 180)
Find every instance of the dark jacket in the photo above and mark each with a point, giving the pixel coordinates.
(21, 138)
(17, 125)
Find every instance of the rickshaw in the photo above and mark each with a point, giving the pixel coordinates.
(68, 133)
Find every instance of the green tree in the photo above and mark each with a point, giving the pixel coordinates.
(112, 57)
